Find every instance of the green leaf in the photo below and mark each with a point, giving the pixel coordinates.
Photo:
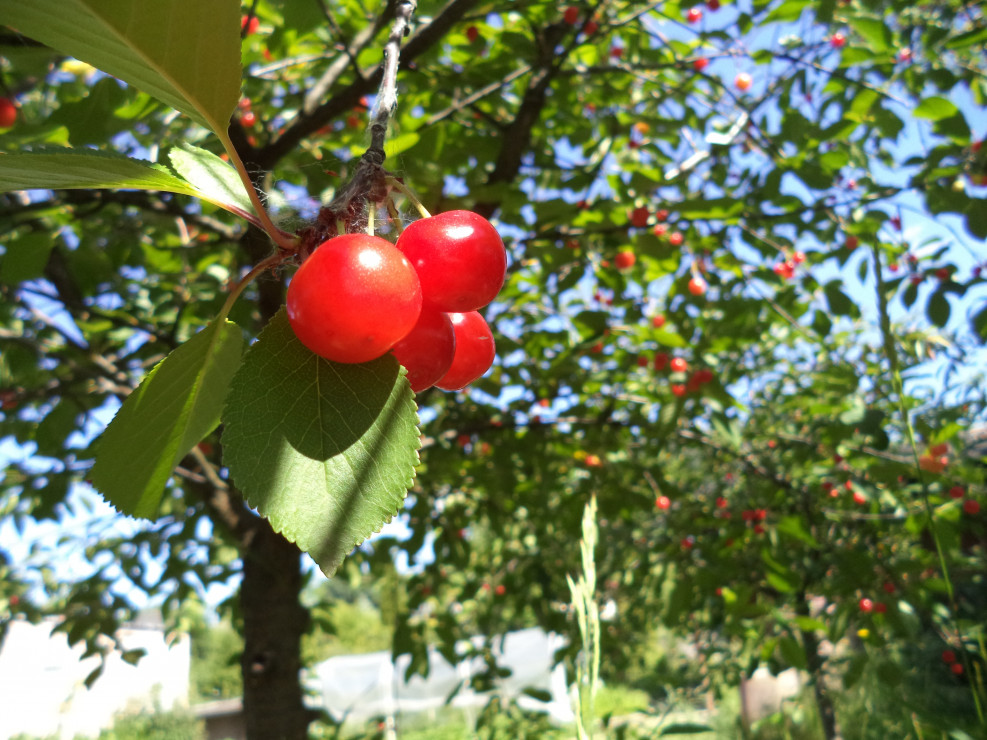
(185, 53)
(175, 406)
(965, 40)
(326, 451)
(214, 180)
(684, 728)
(25, 257)
(938, 309)
(935, 109)
(839, 303)
(67, 169)
(875, 33)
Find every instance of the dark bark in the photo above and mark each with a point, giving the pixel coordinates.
(273, 624)
(816, 663)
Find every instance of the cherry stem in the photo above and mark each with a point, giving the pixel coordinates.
(392, 211)
(396, 184)
(264, 264)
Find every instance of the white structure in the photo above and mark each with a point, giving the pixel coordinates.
(42, 689)
(359, 687)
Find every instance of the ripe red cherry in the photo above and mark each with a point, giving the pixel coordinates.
(248, 119)
(571, 15)
(472, 34)
(249, 25)
(852, 242)
(663, 502)
(676, 239)
(475, 351)
(694, 15)
(428, 349)
(700, 64)
(354, 298)
(971, 507)
(697, 286)
(625, 260)
(661, 361)
(658, 321)
(948, 656)
(713, 5)
(743, 81)
(639, 217)
(679, 365)
(8, 113)
(837, 40)
(459, 257)
(957, 669)
(866, 605)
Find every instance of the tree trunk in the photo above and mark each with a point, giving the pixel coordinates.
(827, 712)
(273, 624)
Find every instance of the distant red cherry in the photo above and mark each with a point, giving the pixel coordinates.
(676, 239)
(880, 607)
(957, 492)
(971, 507)
(957, 669)
(948, 656)
(678, 390)
(8, 113)
(661, 361)
(837, 40)
(571, 15)
(663, 502)
(866, 605)
(694, 15)
(852, 242)
(679, 365)
(625, 260)
(249, 25)
(472, 34)
(700, 64)
(713, 5)
(639, 217)
(743, 81)
(658, 321)
(697, 286)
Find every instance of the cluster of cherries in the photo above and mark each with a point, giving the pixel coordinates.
(358, 297)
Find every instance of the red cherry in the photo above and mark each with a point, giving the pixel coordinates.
(571, 15)
(248, 119)
(957, 669)
(676, 239)
(971, 507)
(694, 15)
(859, 498)
(688, 542)
(948, 656)
(957, 492)
(713, 5)
(798, 258)
(8, 113)
(661, 361)
(721, 502)
(661, 215)
(679, 365)
(428, 349)
(697, 286)
(866, 605)
(663, 502)
(678, 390)
(743, 81)
(616, 52)
(475, 351)
(591, 28)
(837, 40)
(700, 64)
(459, 257)
(500, 589)
(852, 242)
(625, 260)
(880, 607)
(354, 298)
(249, 25)
(472, 34)
(905, 55)
(639, 217)
(888, 587)
(660, 230)
(658, 321)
